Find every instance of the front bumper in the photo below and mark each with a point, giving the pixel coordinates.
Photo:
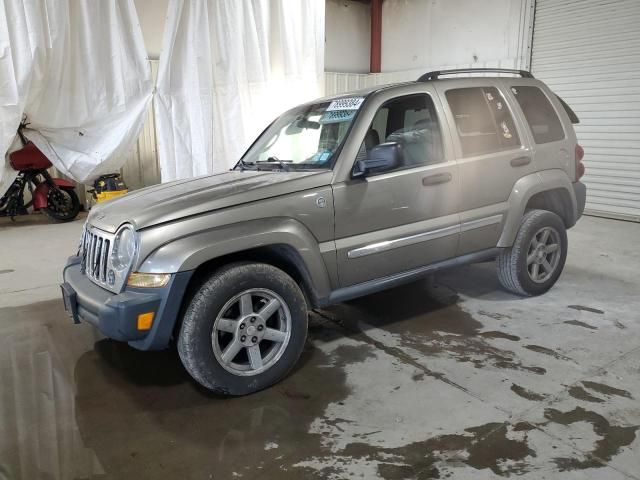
(115, 315)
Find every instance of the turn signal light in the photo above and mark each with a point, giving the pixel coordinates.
(145, 320)
(148, 280)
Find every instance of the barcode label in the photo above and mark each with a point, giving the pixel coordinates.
(346, 104)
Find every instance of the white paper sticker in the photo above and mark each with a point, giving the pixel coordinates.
(352, 103)
(337, 116)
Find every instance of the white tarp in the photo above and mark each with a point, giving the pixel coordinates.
(78, 70)
(227, 69)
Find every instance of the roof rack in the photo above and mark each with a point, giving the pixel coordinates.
(436, 73)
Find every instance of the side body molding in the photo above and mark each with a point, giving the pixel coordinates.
(189, 252)
(525, 188)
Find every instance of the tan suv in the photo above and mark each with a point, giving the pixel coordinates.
(337, 198)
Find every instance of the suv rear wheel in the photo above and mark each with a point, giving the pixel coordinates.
(244, 329)
(536, 259)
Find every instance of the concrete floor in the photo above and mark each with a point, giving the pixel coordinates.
(446, 379)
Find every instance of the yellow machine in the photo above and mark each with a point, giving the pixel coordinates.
(109, 186)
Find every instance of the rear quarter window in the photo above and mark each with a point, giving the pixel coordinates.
(483, 121)
(539, 113)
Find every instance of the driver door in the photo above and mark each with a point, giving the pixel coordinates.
(399, 220)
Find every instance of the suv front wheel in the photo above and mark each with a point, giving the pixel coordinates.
(244, 329)
(536, 259)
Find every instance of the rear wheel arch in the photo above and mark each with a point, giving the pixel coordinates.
(556, 200)
(549, 190)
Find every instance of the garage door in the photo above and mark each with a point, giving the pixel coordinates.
(588, 52)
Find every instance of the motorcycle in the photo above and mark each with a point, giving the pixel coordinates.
(55, 197)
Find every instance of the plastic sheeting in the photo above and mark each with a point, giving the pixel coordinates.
(78, 70)
(227, 69)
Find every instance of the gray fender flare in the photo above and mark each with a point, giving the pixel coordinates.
(191, 251)
(525, 188)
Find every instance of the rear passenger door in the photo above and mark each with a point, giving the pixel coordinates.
(492, 153)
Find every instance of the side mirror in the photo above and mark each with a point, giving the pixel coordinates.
(381, 158)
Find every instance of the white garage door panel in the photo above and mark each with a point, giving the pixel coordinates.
(588, 52)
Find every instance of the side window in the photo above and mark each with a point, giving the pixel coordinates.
(541, 117)
(483, 120)
(412, 122)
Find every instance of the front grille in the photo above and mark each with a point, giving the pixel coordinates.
(95, 250)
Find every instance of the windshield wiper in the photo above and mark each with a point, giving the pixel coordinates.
(244, 165)
(282, 164)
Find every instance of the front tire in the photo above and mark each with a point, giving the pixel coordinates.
(244, 329)
(63, 204)
(536, 259)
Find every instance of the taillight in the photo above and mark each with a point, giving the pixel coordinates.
(579, 164)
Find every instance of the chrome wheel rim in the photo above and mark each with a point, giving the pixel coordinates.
(543, 255)
(251, 332)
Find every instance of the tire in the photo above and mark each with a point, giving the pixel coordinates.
(211, 327)
(65, 210)
(516, 265)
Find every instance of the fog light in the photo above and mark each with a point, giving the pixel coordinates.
(148, 280)
(145, 320)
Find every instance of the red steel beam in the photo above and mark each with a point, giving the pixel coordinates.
(376, 36)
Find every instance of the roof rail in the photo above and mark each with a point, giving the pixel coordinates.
(436, 73)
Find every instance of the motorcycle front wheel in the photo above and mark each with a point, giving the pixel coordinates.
(63, 204)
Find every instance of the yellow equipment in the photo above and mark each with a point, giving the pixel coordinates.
(109, 186)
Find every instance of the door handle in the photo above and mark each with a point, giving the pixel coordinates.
(437, 178)
(521, 161)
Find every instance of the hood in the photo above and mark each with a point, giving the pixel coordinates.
(172, 201)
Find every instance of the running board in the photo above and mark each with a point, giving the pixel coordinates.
(379, 284)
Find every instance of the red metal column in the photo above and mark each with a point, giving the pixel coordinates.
(376, 36)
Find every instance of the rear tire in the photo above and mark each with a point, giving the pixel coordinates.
(63, 205)
(244, 329)
(536, 259)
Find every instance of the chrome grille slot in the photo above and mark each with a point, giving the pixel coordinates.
(95, 252)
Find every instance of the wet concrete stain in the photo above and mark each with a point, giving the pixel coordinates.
(417, 377)
(528, 394)
(576, 391)
(141, 416)
(549, 352)
(614, 437)
(488, 446)
(578, 323)
(122, 413)
(496, 334)
(586, 309)
(606, 389)
(435, 325)
(495, 316)
(182, 431)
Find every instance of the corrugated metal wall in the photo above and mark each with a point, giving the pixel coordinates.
(345, 82)
(588, 52)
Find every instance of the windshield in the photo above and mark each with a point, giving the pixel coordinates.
(306, 137)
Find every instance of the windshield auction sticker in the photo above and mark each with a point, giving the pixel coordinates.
(352, 103)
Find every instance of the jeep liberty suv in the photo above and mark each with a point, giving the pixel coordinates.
(337, 198)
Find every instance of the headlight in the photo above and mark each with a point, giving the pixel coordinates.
(125, 248)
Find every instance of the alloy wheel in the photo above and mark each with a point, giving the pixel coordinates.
(543, 255)
(251, 332)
